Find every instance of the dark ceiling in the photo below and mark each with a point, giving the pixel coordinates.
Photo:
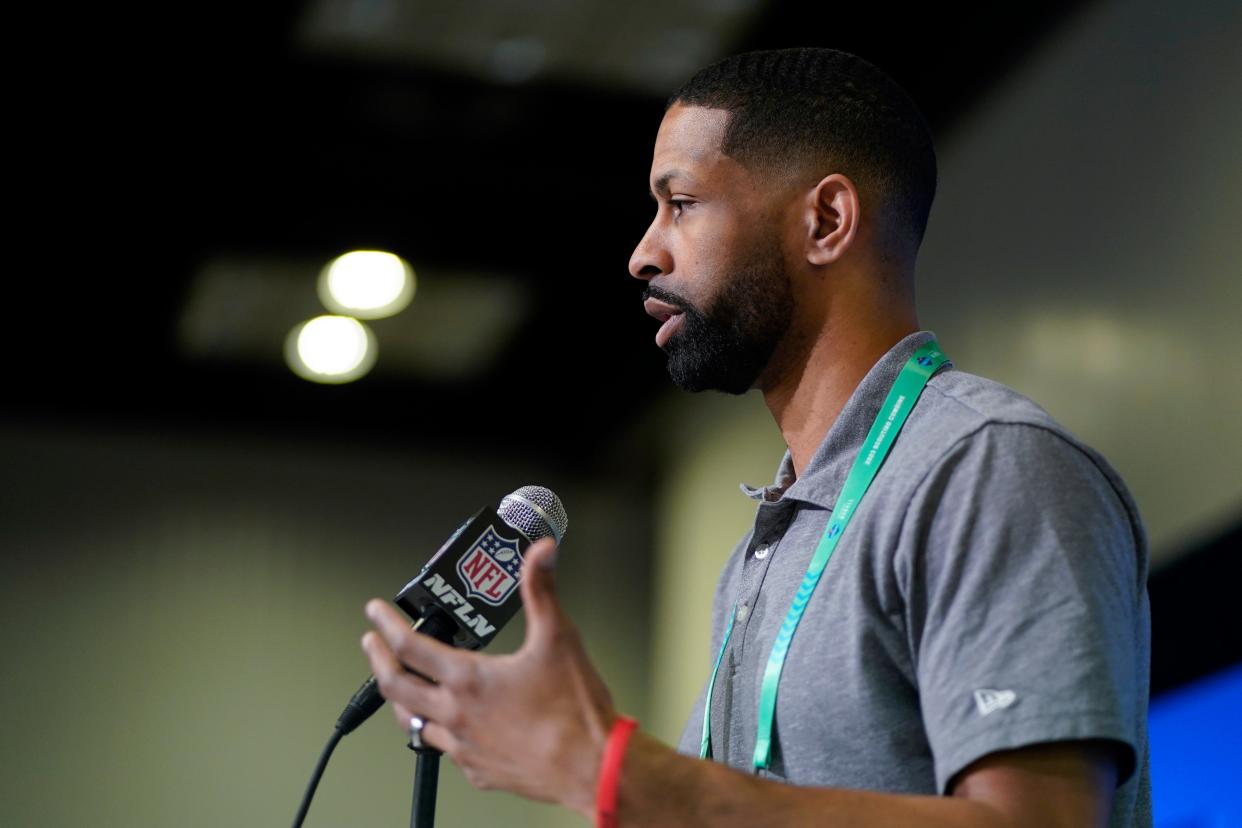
(174, 141)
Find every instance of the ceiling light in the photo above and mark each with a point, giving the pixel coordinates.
(330, 349)
(368, 284)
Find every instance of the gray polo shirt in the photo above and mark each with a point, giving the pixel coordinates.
(989, 593)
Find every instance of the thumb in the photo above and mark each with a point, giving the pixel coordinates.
(538, 588)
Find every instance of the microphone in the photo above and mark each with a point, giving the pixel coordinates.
(469, 588)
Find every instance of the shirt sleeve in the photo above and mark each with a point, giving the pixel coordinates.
(1026, 607)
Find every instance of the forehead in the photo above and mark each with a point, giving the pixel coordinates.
(688, 145)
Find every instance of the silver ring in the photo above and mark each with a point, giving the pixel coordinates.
(417, 723)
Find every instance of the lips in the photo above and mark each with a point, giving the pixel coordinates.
(668, 314)
(667, 330)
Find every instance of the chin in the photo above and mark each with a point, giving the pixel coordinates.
(700, 380)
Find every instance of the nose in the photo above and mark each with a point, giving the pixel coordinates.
(651, 257)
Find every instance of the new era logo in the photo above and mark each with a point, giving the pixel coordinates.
(989, 701)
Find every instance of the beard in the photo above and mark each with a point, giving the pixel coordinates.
(727, 347)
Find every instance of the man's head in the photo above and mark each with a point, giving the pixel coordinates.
(769, 166)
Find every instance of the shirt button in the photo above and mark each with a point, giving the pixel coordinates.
(762, 552)
(742, 611)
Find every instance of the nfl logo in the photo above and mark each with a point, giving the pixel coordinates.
(490, 569)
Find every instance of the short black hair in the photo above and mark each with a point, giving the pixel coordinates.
(827, 109)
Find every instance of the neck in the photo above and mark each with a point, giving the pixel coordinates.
(806, 401)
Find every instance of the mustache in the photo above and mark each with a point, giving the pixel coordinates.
(662, 295)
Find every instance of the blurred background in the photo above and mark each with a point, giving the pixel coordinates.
(189, 527)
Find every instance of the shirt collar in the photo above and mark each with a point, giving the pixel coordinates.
(825, 474)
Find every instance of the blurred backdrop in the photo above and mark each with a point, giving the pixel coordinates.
(189, 528)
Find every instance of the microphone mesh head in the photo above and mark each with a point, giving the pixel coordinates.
(534, 511)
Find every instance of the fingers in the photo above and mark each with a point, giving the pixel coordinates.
(438, 737)
(402, 714)
(543, 613)
(434, 734)
(399, 685)
(421, 653)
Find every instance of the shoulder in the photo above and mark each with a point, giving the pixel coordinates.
(964, 402)
(975, 444)
(958, 410)
(962, 413)
(991, 468)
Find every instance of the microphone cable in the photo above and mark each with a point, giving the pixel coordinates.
(337, 735)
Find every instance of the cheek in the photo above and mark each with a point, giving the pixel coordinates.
(705, 246)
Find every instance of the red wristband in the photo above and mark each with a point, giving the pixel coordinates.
(610, 772)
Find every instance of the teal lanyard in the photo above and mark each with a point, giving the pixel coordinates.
(901, 398)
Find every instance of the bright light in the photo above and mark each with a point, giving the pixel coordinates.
(330, 349)
(369, 284)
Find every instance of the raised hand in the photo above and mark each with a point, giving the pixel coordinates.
(533, 722)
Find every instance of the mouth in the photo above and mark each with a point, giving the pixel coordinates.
(666, 313)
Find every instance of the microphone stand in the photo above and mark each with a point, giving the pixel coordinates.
(427, 766)
(426, 779)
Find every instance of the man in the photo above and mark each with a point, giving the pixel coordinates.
(974, 654)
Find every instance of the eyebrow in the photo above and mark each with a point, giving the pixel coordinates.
(661, 184)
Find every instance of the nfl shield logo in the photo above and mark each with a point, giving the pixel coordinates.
(490, 569)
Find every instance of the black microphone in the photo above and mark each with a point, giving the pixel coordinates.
(469, 588)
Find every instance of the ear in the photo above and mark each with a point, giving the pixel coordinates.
(832, 215)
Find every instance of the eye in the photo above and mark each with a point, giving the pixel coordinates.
(678, 205)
